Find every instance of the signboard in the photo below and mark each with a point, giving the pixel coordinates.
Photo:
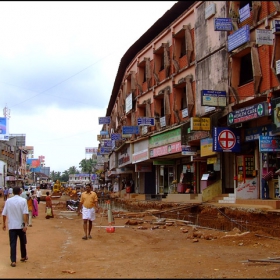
(143, 167)
(264, 37)
(222, 24)
(253, 133)
(244, 13)
(226, 139)
(166, 149)
(128, 103)
(213, 98)
(210, 10)
(277, 66)
(269, 144)
(104, 132)
(116, 136)
(91, 150)
(185, 113)
(106, 143)
(130, 130)
(206, 147)
(188, 150)
(4, 131)
(145, 121)
(197, 123)
(104, 120)
(105, 150)
(275, 25)
(248, 113)
(239, 37)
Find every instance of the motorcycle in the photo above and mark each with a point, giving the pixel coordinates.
(72, 205)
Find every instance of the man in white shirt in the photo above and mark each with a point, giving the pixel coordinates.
(38, 194)
(16, 210)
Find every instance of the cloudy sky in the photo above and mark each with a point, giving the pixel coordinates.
(58, 67)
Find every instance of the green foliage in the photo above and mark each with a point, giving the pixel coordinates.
(86, 165)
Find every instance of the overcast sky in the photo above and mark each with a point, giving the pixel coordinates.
(58, 64)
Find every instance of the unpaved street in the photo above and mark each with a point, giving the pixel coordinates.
(144, 250)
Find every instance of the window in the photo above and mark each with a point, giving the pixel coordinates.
(183, 99)
(246, 70)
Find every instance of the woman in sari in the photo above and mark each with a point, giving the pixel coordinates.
(49, 205)
(35, 211)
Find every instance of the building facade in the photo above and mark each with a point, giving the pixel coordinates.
(191, 110)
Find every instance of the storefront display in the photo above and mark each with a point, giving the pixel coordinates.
(247, 183)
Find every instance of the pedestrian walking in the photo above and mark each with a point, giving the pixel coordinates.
(30, 208)
(89, 205)
(16, 210)
(38, 194)
(35, 211)
(10, 192)
(49, 205)
(6, 193)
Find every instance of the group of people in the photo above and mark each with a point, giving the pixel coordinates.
(20, 210)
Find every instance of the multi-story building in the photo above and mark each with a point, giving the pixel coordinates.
(193, 101)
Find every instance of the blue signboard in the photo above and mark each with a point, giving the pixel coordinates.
(269, 144)
(106, 143)
(253, 133)
(226, 139)
(222, 24)
(116, 136)
(104, 120)
(104, 132)
(105, 150)
(244, 13)
(239, 37)
(276, 25)
(248, 113)
(130, 130)
(146, 121)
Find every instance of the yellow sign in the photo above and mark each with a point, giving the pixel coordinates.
(197, 123)
(212, 160)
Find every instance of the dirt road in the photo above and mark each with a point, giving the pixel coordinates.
(140, 247)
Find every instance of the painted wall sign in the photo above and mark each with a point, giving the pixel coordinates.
(165, 150)
(222, 24)
(269, 144)
(104, 120)
(226, 139)
(248, 113)
(143, 168)
(239, 37)
(140, 156)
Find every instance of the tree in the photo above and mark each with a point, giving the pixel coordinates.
(87, 165)
(73, 170)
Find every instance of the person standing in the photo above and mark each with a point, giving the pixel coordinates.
(30, 208)
(49, 205)
(16, 210)
(89, 205)
(38, 194)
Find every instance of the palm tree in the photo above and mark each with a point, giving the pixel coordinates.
(86, 165)
(73, 170)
